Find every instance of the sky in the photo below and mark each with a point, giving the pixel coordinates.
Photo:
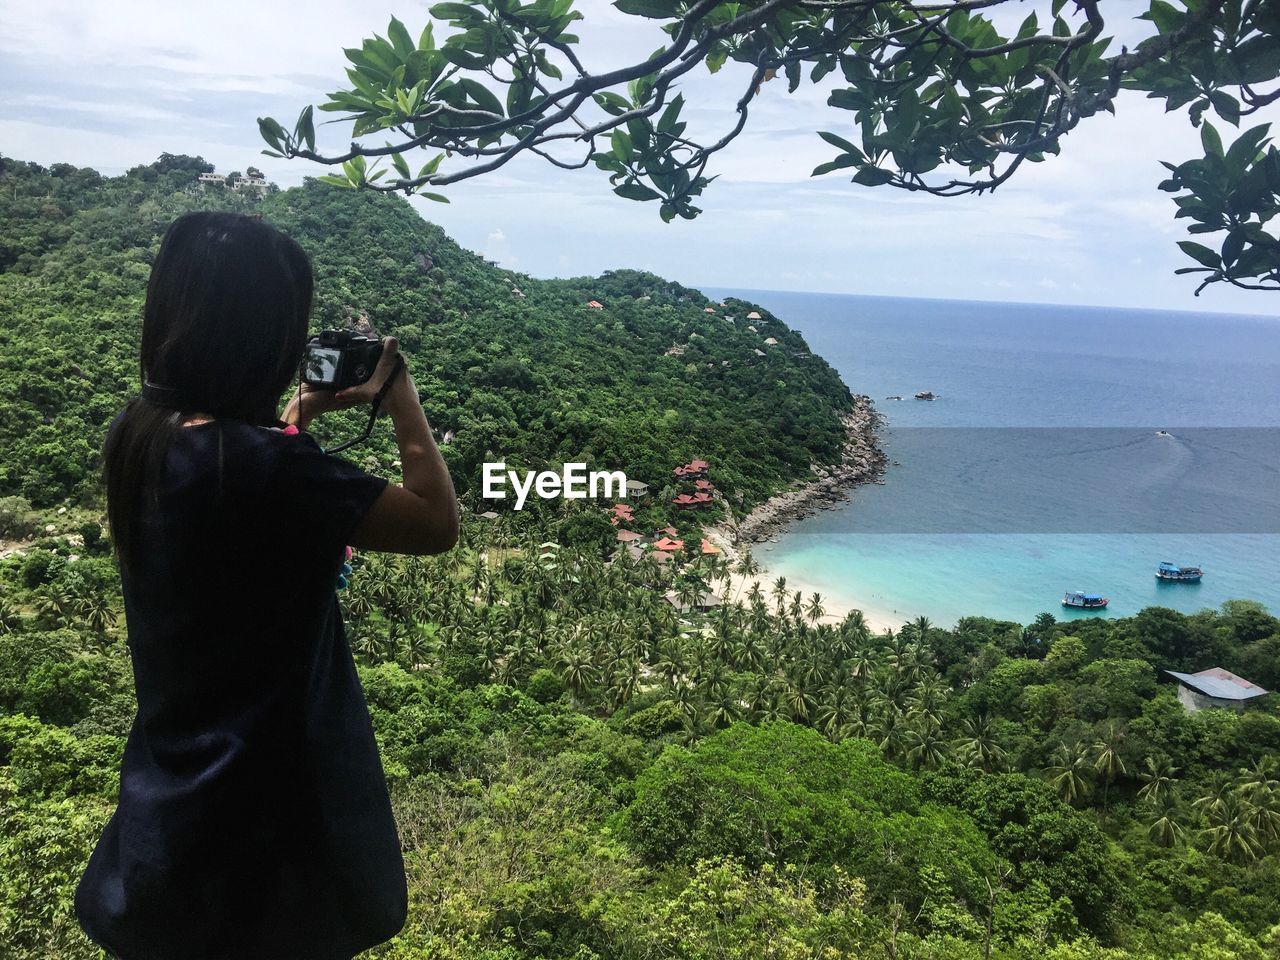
(114, 83)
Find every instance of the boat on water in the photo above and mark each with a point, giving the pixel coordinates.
(1083, 601)
(1172, 573)
(926, 395)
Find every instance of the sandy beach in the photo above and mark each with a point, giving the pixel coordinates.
(836, 609)
(862, 461)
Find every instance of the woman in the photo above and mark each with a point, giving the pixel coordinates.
(253, 821)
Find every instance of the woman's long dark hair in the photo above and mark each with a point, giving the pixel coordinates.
(224, 328)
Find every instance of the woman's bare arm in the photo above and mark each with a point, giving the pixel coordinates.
(420, 516)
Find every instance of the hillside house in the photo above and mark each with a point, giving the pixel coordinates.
(667, 545)
(754, 315)
(692, 501)
(207, 180)
(595, 305)
(637, 490)
(692, 470)
(628, 536)
(1214, 687)
(251, 183)
(709, 549)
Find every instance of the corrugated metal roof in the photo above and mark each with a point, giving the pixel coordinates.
(1219, 683)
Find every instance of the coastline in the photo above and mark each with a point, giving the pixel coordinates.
(861, 462)
(836, 608)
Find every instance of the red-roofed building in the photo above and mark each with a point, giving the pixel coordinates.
(709, 549)
(692, 469)
(708, 309)
(628, 536)
(622, 511)
(692, 501)
(704, 485)
(595, 304)
(667, 545)
(665, 532)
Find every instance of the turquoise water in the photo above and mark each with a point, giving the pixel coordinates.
(1039, 468)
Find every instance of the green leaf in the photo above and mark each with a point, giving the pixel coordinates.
(1211, 140)
(653, 9)
(842, 143)
(431, 166)
(336, 181)
(1232, 247)
(1227, 106)
(437, 197)
(271, 132)
(483, 97)
(1200, 253)
(400, 39)
(305, 130)
(621, 143)
(401, 165)
(611, 102)
(872, 176)
(452, 11)
(1246, 148)
(839, 163)
(1165, 16)
(636, 191)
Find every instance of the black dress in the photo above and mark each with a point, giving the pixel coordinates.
(254, 821)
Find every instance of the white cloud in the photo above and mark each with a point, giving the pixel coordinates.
(113, 83)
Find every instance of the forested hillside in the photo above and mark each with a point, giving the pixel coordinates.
(588, 760)
(518, 369)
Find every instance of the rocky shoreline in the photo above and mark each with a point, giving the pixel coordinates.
(862, 461)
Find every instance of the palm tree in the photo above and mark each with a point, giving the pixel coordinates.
(1070, 771)
(862, 662)
(55, 604)
(10, 618)
(1107, 760)
(1157, 779)
(1165, 828)
(1220, 790)
(978, 746)
(795, 608)
(926, 746)
(815, 611)
(780, 594)
(856, 623)
(577, 672)
(1231, 833)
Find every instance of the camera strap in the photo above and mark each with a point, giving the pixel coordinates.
(374, 406)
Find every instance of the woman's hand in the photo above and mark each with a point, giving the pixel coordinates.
(311, 401)
(365, 392)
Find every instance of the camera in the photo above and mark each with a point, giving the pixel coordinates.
(337, 359)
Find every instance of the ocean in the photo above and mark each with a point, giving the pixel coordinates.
(1069, 448)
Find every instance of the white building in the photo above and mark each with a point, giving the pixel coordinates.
(1214, 687)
